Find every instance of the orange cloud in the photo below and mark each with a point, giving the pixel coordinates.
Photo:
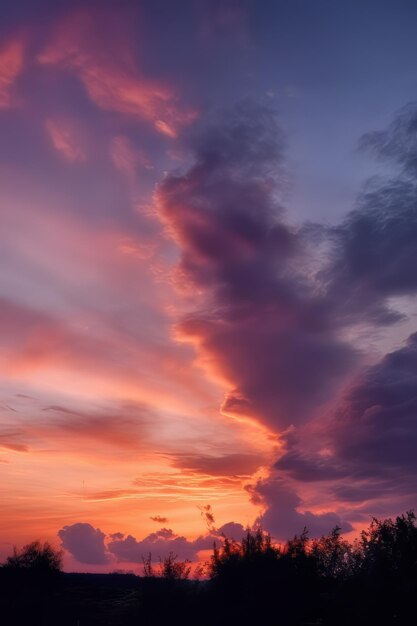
(15, 447)
(232, 464)
(64, 137)
(11, 65)
(106, 67)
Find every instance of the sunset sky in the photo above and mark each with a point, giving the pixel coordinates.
(208, 270)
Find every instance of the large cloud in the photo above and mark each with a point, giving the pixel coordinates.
(271, 316)
(258, 321)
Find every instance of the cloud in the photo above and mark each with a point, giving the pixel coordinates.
(159, 544)
(122, 429)
(309, 467)
(11, 65)
(231, 530)
(159, 519)
(225, 465)
(397, 143)
(89, 545)
(127, 158)
(15, 447)
(164, 541)
(85, 543)
(363, 452)
(282, 518)
(104, 62)
(272, 312)
(31, 337)
(375, 426)
(374, 252)
(245, 264)
(65, 139)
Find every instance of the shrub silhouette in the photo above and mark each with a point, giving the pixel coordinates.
(169, 568)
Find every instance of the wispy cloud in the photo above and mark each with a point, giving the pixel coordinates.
(103, 61)
(65, 138)
(11, 65)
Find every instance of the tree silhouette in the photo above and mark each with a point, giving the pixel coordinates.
(36, 557)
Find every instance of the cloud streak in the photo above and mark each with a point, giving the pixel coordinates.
(11, 66)
(103, 61)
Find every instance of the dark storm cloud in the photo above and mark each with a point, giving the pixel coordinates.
(261, 320)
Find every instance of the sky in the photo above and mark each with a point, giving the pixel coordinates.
(208, 252)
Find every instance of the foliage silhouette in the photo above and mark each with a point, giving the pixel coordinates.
(37, 558)
(169, 568)
(328, 581)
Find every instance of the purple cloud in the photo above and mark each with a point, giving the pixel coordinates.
(85, 543)
(370, 437)
(90, 545)
(159, 544)
(282, 518)
(259, 319)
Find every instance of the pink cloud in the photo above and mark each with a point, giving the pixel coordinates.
(11, 65)
(106, 66)
(126, 157)
(256, 322)
(65, 138)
